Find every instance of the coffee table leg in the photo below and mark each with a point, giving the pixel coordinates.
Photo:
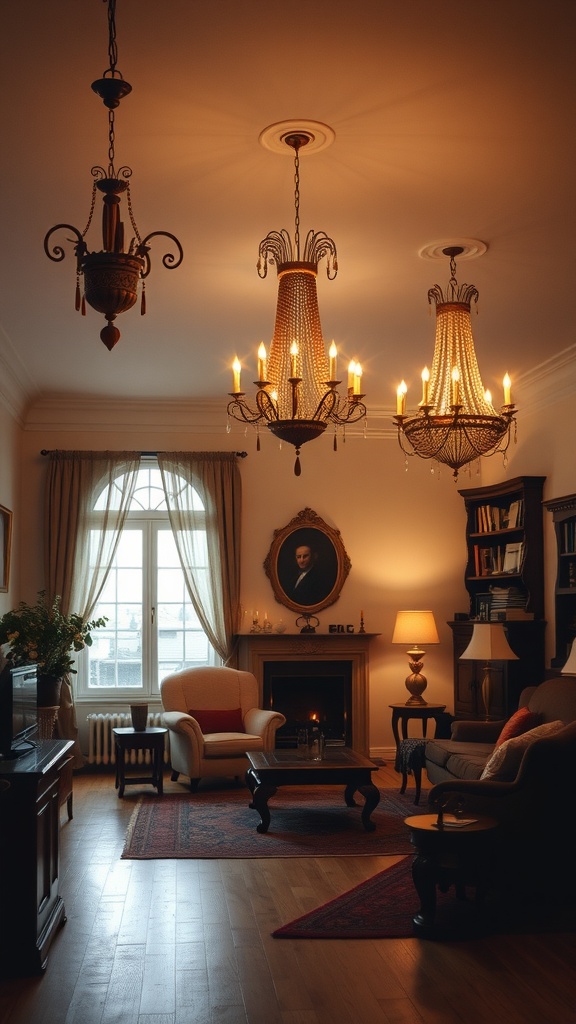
(260, 798)
(371, 796)
(424, 878)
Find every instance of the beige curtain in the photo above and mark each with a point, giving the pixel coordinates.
(73, 569)
(212, 572)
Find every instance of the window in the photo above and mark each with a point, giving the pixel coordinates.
(152, 628)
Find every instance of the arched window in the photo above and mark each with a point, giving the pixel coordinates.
(152, 628)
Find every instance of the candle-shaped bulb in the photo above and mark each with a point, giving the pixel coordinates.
(488, 396)
(351, 371)
(455, 386)
(507, 384)
(333, 352)
(293, 358)
(401, 398)
(358, 379)
(262, 361)
(425, 384)
(236, 367)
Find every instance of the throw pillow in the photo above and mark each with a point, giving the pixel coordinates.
(522, 721)
(505, 761)
(229, 720)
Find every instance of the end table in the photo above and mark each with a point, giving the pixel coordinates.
(127, 739)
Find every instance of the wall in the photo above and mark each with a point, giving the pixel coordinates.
(402, 527)
(10, 434)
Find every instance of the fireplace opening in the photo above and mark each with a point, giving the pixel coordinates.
(308, 692)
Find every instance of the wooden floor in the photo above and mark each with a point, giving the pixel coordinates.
(188, 942)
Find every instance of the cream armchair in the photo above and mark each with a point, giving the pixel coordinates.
(227, 723)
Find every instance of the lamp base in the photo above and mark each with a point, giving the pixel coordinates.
(416, 684)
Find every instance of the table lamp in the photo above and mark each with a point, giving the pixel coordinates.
(488, 643)
(415, 628)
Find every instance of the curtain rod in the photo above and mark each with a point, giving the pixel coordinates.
(48, 451)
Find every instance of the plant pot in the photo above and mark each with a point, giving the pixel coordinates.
(139, 713)
(49, 688)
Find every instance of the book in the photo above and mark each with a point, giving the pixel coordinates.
(513, 557)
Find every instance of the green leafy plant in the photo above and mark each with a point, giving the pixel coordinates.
(40, 634)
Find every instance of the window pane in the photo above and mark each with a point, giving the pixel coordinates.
(116, 654)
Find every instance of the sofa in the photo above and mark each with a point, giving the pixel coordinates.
(471, 745)
(531, 799)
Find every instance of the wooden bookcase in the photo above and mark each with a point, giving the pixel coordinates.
(564, 516)
(504, 578)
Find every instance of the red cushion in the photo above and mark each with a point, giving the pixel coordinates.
(229, 720)
(521, 721)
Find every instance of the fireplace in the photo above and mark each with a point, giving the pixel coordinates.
(310, 692)
(329, 671)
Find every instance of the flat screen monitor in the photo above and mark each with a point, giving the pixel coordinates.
(18, 709)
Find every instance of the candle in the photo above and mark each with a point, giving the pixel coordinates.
(351, 369)
(357, 379)
(333, 352)
(455, 388)
(236, 367)
(507, 390)
(401, 398)
(293, 358)
(488, 396)
(425, 381)
(262, 362)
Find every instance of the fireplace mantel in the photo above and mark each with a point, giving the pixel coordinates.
(256, 649)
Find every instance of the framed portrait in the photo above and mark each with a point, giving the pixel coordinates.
(307, 563)
(5, 543)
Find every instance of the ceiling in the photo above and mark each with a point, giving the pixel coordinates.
(451, 121)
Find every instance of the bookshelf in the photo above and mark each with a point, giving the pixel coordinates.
(564, 517)
(504, 578)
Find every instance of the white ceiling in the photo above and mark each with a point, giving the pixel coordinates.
(451, 120)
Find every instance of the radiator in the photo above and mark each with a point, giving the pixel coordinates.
(101, 749)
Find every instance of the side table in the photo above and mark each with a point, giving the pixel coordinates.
(404, 712)
(127, 739)
(458, 855)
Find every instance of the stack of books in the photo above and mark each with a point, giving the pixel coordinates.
(508, 603)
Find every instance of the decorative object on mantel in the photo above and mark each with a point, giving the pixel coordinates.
(308, 627)
(41, 635)
(307, 564)
(456, 422)
(297, 394)
(111, 276)
(488, 643)
(416, 628)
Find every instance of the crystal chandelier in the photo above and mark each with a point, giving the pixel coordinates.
(111, 276)
(456, 422)
(297, 384)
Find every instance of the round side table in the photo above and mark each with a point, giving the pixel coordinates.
(404, 712)
(458, 854)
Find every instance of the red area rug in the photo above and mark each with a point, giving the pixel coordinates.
(305, 822)
(384, 905)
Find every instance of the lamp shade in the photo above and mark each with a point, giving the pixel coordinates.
(415, 627)
(570, 666)
(488, 643)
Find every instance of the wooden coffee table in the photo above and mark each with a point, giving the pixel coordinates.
(340, 767)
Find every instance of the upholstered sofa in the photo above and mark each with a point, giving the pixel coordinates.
(465, 755)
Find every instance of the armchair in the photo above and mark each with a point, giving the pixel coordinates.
(213, 718)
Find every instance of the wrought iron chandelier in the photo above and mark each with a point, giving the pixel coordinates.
(456, 422)
(297, 384)
(111, 275)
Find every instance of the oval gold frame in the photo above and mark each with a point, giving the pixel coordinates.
(307, 528)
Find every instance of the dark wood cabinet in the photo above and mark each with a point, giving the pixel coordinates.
(30, 901)
(508, 677)
(564, 517)
(504, 577)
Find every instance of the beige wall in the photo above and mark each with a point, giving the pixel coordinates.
(403, 530)
(10, 437)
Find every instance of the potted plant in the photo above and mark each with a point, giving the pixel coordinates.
(40, 634)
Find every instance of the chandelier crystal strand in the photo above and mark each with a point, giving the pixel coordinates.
(456, 422)
(298, 398)
(111, 275)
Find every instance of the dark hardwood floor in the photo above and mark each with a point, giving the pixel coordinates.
(188, 942)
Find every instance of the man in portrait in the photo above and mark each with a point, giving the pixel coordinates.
(310, 576)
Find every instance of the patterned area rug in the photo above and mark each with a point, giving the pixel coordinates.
(305, 822)
(384, 905)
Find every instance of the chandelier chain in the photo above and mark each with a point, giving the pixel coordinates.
(297, 201)
(112, 46)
